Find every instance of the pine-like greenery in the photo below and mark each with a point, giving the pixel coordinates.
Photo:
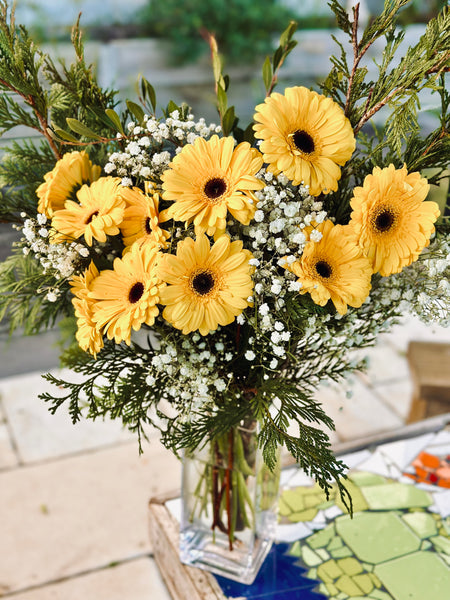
(69, 110)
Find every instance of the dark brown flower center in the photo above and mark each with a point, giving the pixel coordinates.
(215, 187)
(147, 227)
(91, 217)
(323, 269)
(303, 141)
(203, 283)
(384, 220)
(136, 292)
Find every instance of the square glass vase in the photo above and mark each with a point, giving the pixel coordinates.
(229, 506)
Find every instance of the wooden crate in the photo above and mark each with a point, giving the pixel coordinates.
(429, 364)
(183, 582)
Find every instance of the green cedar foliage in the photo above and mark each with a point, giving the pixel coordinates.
(39, 96)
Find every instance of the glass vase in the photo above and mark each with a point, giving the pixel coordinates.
(229, 505)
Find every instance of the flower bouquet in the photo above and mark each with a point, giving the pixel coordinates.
(208, 277)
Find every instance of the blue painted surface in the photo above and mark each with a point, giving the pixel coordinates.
(280, 578)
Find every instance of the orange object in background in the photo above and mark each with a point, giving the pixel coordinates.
(430, 468)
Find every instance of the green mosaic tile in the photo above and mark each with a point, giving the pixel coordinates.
(296, 549)
(350, 566)
(329, 571)
(364, 582)
(446, 558)
(426, 545)
(363, 478)
(446, 525)
(335, 543)
(376, 582)
(290, 501)
(376, 537)
(358, 500)
(416, 577)
(346, 584)
(312, 500)
(331, 589)
(395, 496)
(310, 558)
(341, 552)
(324, 555)
(325, 505)
(303, 516)
(421, 523)
(379, 595)
(441, 543)
(322, 538)
(322, 589)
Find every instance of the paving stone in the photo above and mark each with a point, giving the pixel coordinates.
(397, 395)
(385, 363)
(361, 415)
(41, 435)
(80, 513)
(135, 580)
(8, 457)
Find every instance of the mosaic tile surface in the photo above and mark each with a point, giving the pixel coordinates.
(396, 547)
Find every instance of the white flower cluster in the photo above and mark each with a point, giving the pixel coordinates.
(62, 260)
(193, 371)
(282, 218)
(145, 155)
(431, 274)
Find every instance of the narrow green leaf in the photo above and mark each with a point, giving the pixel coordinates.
(277, 57)
(222, 100)
(287, 34)
(228, 121)
(135, 110)
(148, 91)
(63, 135)
(249, 135)
(115, 119)
(81, 129)
(171, 107)
(217, 66)
(267, 73)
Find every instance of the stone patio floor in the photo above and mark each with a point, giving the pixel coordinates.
(73, 498)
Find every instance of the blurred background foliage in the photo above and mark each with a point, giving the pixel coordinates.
(244, 28)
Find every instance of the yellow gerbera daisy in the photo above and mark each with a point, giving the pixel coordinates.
(69, 174)
(206, 286)
(334, 268)
(125, 298)
(88, 335)
(141, 219)
(306, 136)
(208, 178)
(98, 214)
(390, 220)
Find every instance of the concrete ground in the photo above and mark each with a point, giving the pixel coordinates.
(73, 498)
